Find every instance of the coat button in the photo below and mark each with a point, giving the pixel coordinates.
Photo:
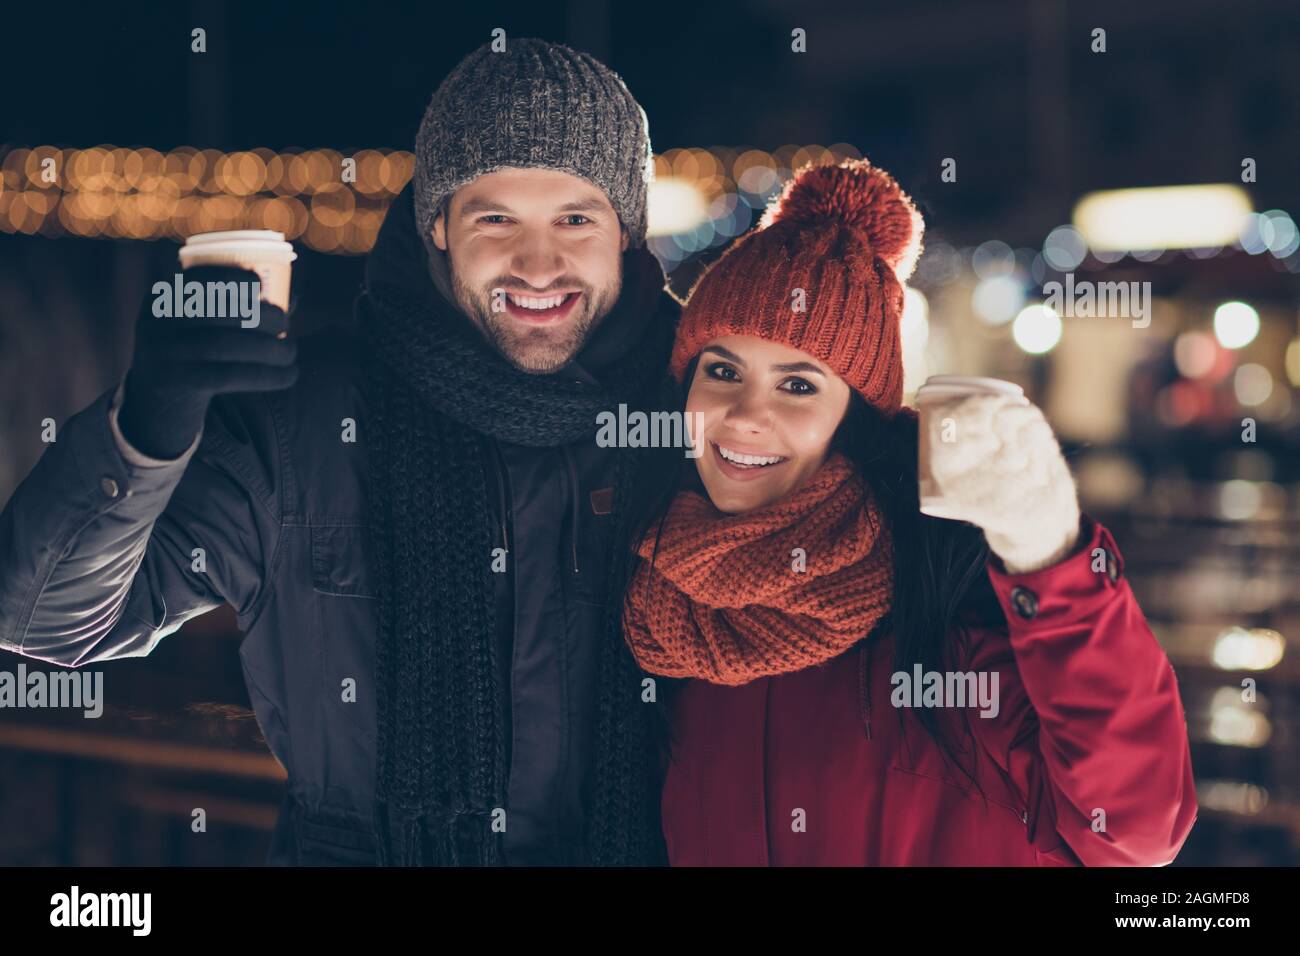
(108, 486)
(1025, 602)
(1112, 566)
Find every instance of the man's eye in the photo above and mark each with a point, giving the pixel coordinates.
(583, 220)
(805, 387)
(711, 371)
(494, 219)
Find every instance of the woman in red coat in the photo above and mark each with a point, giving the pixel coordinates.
(853, 682)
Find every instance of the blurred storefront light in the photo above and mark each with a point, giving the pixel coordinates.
(1036, 329)
(1285, 238)
(915, 333)
(1180, 403)
(915, 326)
(1107, 255)
(1252, 384)
(1240, 500)
(939, 264)
(1195, 354)
(1232, 796)
(1270, 231)
(1237, 723)
(754, 171)
(1235, 324)
(1293, 362)
(675, 206)
(1109, 479)
(1165, 217)
(1248, 649)
(1064, 248)
(993, 259)
(730, 216)
(1256, 231)
(996, 300)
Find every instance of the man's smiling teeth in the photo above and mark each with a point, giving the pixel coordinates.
(530, 302)
(740, 459)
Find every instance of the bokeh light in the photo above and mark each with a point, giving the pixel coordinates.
(993, 259)
(997, 300)
(1064, 248)
(1036, 329)
(1252, 383)
(1195, 354)
(1235, 324)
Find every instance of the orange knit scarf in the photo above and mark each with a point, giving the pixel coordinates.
(731, 598)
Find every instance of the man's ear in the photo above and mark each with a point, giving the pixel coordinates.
(626, 239)
(439, 231)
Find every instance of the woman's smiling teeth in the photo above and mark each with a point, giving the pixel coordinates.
(531, 302)
(748, 461)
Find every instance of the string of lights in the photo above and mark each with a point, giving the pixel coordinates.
(330, 201)
(334, 202)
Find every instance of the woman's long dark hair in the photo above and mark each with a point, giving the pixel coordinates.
(941, 588)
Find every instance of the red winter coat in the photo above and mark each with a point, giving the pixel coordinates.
(1090, 719)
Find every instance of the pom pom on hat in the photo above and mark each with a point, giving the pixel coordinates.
(864, 198)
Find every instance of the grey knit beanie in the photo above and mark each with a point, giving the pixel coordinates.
(534, 104)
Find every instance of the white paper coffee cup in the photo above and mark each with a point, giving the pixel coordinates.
(264, 251)
(944, 388)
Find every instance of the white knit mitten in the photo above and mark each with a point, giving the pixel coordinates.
(1002, 470)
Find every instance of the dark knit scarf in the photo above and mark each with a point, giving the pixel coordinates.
(436, 391)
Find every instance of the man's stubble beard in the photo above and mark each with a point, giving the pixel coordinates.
(537, 351)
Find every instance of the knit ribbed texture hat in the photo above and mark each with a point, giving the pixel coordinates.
(534, 104)
(848, 237)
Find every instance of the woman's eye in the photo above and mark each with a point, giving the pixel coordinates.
(805, 387)
(712, 371)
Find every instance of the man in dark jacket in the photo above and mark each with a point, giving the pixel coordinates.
(422, 539)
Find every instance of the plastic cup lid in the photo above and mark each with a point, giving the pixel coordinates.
(950, 384)
(281, 250)
(235, 235)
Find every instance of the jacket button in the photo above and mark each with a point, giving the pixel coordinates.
(1112, 566)
(108, 486)
(1025, 602)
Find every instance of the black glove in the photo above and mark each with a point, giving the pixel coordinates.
(180, 363)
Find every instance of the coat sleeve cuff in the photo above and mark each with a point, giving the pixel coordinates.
(1072, 589)
(129, 452)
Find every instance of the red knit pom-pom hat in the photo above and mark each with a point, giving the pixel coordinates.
(823, 273)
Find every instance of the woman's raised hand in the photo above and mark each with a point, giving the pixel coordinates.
(998, 465)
